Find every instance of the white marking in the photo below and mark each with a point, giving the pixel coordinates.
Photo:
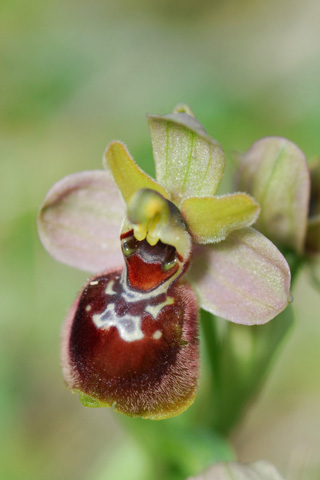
(94, 282)
(157, 334)
(155, 309)
(128, 326)
(131, 295)
(88, 308)
(109, 290)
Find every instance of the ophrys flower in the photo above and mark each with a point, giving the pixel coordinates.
(130, 340)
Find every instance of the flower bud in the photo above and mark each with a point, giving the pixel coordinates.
(274, 171)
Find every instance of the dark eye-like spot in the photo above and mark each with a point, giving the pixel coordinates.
(169, 264)
(129, 246)
(171, 259)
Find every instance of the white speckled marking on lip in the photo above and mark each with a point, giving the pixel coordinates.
(155, 309)
(128, 326)
(157, 334)
(109, 290)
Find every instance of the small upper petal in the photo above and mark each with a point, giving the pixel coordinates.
(80, 219)
(211, 219)
(275, 172)
(126, 173)
(189, 162)
(244, 279)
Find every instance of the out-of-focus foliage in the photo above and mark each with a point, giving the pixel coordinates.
(75, 75)
(236, 471)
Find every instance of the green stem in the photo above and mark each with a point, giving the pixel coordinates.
(239, 358)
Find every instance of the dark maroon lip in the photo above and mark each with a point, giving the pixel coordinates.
(125, 345)
(129, 374)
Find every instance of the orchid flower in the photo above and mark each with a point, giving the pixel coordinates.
(130, 339)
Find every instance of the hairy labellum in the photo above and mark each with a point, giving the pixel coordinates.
(130, 341)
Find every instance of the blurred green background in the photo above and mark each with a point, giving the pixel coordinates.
(77, 74)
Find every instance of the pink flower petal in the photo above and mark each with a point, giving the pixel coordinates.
(80, 219)
(244, 279)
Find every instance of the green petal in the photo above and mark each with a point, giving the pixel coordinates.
(126, 173)
(211, 219)
(274, 171)
(189, 163)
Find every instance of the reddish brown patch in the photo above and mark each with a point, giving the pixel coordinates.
(146, 265)
(150, 377)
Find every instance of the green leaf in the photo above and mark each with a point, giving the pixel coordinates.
(211, 219)
(189, 163)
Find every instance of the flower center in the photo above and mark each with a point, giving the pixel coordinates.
(153, 218)
(149, 266)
